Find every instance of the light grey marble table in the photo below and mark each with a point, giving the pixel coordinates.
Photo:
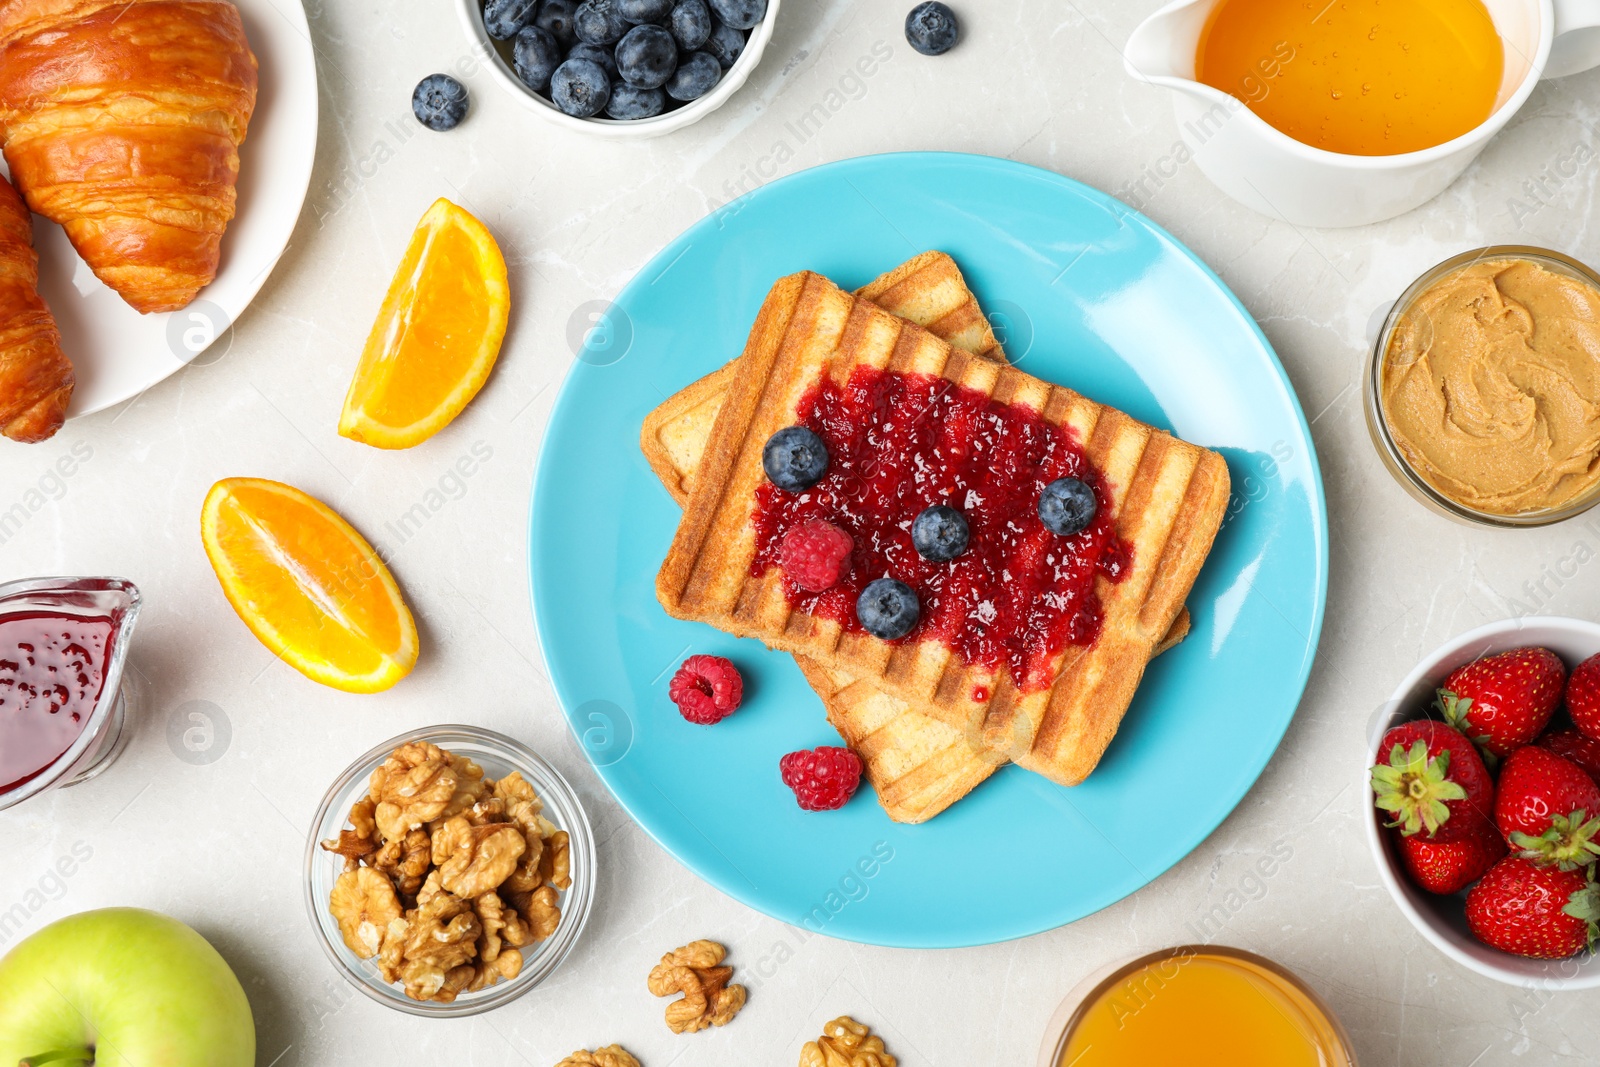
(220, 844)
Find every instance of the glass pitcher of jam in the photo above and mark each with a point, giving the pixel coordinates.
(63, 645)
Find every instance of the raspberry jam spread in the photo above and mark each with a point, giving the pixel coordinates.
(52, 668)
(899, 443)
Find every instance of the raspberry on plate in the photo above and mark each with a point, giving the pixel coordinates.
(707, 689)
(822, 778)
(815, 554)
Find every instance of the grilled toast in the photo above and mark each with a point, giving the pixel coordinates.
(927, 289)
(1167, 498)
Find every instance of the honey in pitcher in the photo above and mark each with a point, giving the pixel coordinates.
(1203, 1009)
(1361, 77)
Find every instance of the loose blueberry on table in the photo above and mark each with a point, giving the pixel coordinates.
(652, 55)
(932, 28)
(439, 102)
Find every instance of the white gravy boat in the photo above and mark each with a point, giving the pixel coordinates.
(1278, 176)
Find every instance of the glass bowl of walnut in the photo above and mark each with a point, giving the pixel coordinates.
(449, 871)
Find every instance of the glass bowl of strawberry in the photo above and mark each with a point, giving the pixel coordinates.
(1484, 776)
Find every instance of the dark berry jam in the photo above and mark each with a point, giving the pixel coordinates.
(52, 669)
(899, 443)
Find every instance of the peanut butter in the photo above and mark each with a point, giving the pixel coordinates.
(1491, 386)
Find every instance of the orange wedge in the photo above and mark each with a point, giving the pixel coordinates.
(437, 335)
(308, 585)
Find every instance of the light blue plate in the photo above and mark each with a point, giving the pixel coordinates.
(1085, 293)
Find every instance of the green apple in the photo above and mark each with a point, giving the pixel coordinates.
(122, 987)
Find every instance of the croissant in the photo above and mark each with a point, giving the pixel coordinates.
(35, 377)
(121, 120)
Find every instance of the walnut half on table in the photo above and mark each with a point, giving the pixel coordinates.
(846, 1043)
(448, 874)
(695, 971)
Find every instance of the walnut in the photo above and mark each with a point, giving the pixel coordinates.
(471, 786)
(540, 909)
(430, 888)
(413, 786)
(694, 971)
(481, 857)
(502, 925)
(845, 1043)
(524, 813)
(610, 1056)
(514, 787)
(484, 812)
(364, 903)
(555, 865)
(456, 981)
(438, 937)
(406, 860)
(358, 841)
(504, 967)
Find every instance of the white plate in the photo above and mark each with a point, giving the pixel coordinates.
(117, 352)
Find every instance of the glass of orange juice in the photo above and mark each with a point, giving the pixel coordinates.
(1195, 1006)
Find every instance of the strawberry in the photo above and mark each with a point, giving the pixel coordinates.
(1434, 779)
(1543, 805)
(1451, 866)
(1533, 910)
(1503, 701)
(1583, 697)
(1576, 747)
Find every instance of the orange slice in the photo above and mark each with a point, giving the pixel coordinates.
(437, 335)
(308, 585)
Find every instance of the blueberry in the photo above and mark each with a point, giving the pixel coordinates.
(794, 458)
(606, 57)
(503, 18)
(580, 87)
(690, 24)
(1066, 506)
(646, 57)
(931, 28)
(439, 102)
(558, 17)
(696, 77)
(726, 43)
(888, 609)
(940, 533)
(740, 14)
(599, 22)
(630, 103)
(651, 11)
(535, 55)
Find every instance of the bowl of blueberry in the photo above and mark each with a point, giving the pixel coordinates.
(622, 68)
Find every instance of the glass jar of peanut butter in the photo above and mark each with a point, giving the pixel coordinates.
(1483, 389)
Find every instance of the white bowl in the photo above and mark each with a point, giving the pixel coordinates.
(1442, 920)
(472, 17)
